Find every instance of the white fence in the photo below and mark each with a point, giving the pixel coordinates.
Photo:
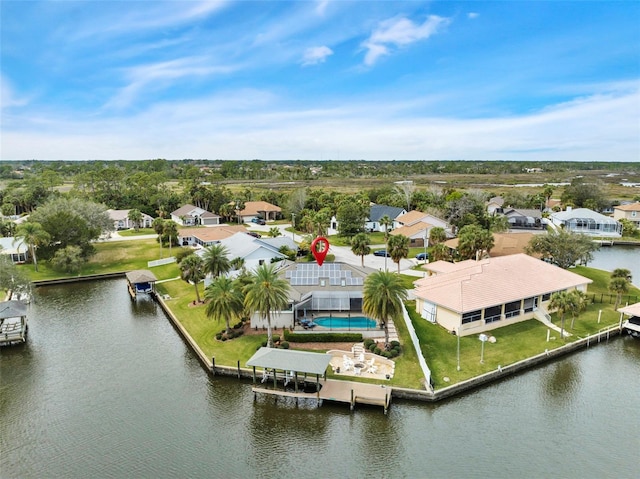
(416, 344)
(160, 262)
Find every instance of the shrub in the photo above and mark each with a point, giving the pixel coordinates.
(239, 332)
(284, 345)
(238, 325)
(373, 347)
(276, 338)
(377, 351)
(183, 253)
(395, 344)
(219, 336)
(322, 337)
(393, 353)
(264, 343)
(368, 342)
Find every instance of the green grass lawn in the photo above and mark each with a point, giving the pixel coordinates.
(139, 232)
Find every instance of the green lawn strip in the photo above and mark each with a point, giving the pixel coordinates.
(203, 329)
(139, 232)
(513, 343)
(114, 256)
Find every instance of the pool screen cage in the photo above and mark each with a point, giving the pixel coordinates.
(336, 301)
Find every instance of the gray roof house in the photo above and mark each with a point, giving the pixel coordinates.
(189, 215)
(586, 221)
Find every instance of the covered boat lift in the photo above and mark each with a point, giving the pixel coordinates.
(141, 281)
(631, 325)
(13, 322)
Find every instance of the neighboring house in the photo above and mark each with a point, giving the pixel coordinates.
(254, 251)
(503, 243)
(472, 297)
(629, 212)
(372, 223)
(207, 236)
(417, 226)
(17, 250)
(121, 220)
(552, 204)
(586, 221)
(495, 204)
(259, 209)
(189, 215)
(524, 218)
(331, 289)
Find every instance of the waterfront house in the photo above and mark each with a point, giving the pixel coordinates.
(586, 221)
(495, 204)
(256, 251)
(16, 250)
(630, 212)
(189, 215)
(523, 218)
(259, 209)
(121, 220)
(333, 288)
(471, 297)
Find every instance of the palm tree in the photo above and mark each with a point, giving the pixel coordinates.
(383, 295)
(274, 232)
(440, 252)
(622, 273)
(171, 231)
(34, 235)
(360, 246)
(266, 293)
(619, 286)
(437, 235)
(158, 227)
(398, 248)
(216, 260)
(135, 216)
(562, 302)
(579, 304)
(192, 271)
(225, 300)
(386, 222)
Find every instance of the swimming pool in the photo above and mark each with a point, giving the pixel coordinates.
(354, 322)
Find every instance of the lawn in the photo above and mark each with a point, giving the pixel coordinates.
(112, 257)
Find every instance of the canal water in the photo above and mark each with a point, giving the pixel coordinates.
(609, 258)
(105, 388)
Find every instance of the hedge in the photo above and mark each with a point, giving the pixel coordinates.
(322, 337)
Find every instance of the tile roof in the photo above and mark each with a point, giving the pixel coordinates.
(473, 285)
(255, 207)
(629, 207)
(411, 217)
(213, 233)
(412, 230)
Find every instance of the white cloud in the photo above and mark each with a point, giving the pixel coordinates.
(472, 15)
(7, 95)
(399, 32)
(253, 124)
(315, 55)
(321, 6)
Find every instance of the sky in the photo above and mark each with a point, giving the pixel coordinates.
(320, 80)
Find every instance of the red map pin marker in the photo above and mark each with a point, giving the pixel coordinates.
(319, 249)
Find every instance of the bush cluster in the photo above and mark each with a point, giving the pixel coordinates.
(234, 333)
(322, 337)
(392, 352)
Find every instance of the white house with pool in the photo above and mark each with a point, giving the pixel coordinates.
(330, 296)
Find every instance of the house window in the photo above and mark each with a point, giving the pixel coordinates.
(546, 296)
(492, 314)
(261, 262)
(512, 309)
(471, 316)
(530, 304)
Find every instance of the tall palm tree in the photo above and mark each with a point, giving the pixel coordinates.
(225, 300)
(579, 304)
(622, 273)
(34, 235)
(266, 293)
(158, 227)
(437, 235)
(387, 223)
(398, 248)
(440, 252)
(216, 260)
(383, 295)
(360, 246)
(562, 302)
(171, 231)
(192, 271)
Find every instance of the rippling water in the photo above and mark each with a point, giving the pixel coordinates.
(106, 388)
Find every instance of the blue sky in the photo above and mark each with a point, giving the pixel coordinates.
(318, 80)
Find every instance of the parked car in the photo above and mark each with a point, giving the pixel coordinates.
(259, 221)
(422, 256)
(381, 252)
(254, 234)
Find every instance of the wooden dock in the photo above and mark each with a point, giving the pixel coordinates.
(348, 392)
